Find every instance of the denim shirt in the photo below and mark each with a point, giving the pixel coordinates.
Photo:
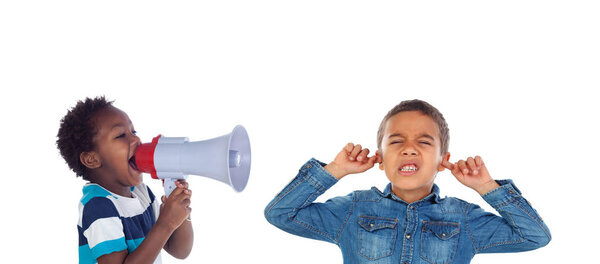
(371, 226)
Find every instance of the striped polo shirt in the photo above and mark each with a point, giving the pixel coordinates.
(110, 223)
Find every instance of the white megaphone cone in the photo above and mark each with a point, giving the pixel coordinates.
(225, 158)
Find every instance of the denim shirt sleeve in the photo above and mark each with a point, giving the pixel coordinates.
(293, 210)
(519, 228)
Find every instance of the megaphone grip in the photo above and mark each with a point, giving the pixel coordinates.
(169, 184)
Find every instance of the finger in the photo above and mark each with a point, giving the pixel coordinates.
(183, 184)
(186, 202)
(349, 147)
(163, 199)
(176, 192)
(372, 160)
(178, 195)
(448, 165)
(478, 161)
(378, 158)
(362, 156)
(178, 184)
(471, 165)
(462, 166)
(365, 166)
(355, 152)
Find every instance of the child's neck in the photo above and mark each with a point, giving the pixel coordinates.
(411, 196)
(113, 187)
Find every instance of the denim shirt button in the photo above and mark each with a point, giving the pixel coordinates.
(408, 236)
(308, 166)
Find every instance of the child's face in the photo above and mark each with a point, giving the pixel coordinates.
(115, 143)
(411, 153)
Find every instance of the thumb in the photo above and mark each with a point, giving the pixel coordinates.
(163, 199)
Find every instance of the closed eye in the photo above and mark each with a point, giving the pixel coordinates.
(121, 136)
(425, 142)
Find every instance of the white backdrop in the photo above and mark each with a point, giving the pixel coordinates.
(514, 79)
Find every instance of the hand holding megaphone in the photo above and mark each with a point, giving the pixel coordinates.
(225, 158)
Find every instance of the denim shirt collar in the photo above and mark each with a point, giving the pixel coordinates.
(433, 197)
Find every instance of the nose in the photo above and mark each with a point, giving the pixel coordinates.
(135, 141)
(409, 150)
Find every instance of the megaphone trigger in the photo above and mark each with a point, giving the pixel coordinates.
(170, 186)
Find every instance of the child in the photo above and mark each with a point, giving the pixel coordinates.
(119, 218)
(408, 222)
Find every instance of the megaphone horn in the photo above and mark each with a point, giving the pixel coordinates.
(225, 158)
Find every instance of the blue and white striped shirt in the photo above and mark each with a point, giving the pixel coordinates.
(110, 223)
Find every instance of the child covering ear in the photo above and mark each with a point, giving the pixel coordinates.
(408, 222)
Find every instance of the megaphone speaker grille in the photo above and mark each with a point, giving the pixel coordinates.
(239, 146)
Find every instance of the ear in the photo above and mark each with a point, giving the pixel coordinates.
(445, 157)
(380, 155)
(91, 160)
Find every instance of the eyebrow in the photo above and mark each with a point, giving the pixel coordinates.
(395, 135)
(117, 125)
(121, 124)
(425, 135)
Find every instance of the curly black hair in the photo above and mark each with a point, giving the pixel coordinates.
(77, 131)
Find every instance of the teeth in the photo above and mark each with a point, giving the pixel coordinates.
(409, 168)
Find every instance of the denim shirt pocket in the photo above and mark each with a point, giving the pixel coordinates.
(376, 236)
(439, 241)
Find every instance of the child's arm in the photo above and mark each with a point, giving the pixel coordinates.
(519, 229)
(181, 241)
(173, 214)
(293, 210)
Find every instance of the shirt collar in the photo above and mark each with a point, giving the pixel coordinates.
(433, 197)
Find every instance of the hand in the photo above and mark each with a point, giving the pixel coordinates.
(176, 209)
(472, 173)
(352, 159)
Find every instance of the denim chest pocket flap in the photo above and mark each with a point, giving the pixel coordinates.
(375, 223)
(439, 241)
(376, 236)
(442, 230)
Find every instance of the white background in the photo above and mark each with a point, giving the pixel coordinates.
(514, 79)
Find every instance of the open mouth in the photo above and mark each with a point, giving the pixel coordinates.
(132, 163)
(408, 169)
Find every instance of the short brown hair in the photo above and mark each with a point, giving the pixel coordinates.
(423, 107)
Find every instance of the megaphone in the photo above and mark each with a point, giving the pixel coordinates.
(225, 158)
